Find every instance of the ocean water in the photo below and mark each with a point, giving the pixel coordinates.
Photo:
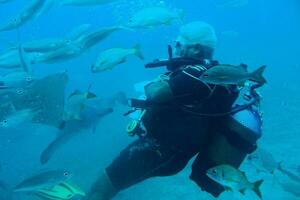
(259, 32)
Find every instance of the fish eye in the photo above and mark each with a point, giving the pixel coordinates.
(214, 171)
(66, 174)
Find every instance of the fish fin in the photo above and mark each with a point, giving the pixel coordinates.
(257, 75)
(138, 51)
(256, 188)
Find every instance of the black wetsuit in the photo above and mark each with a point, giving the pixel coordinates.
(174, 135)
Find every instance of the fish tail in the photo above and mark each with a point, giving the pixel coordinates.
(257, 75)
(256, 188)
(138, 52)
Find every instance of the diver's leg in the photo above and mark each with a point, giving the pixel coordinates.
(102, 189)
(143, 159)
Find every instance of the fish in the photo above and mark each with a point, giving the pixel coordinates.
(290, 174)
(263, 161)
(44, 45)
(152, 17)
(91, 39)
(94, 110)
(75, 104)
(70, 51)
(233, 179)
(76, 47)
(110, 58)
(27, 14)
(85, 2)
(18, 117)
(232, 75)
(43, 180)
(291, 187)
(11, 59)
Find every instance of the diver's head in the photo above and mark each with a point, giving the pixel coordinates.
(196, 40)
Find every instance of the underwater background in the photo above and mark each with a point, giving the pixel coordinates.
(262, 32)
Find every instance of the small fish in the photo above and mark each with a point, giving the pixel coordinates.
(44, 45)
(110, 58)
(11, 59)
(85, 2)
(71, 50)
(75, 105)
(27, 14)
(89, 40)
(262, 160)
(154, 16)
(18, 117)
(233, 179)
(232, 75)
(43, 180)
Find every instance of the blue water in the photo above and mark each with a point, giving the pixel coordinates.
(265, 32)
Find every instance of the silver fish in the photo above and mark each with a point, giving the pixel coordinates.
(92, 39)
(60, 55)
(233, 179)
(27, 14)
(154, 16)
(232, 75)
(110, 58)
(43, 180)
(262, 160)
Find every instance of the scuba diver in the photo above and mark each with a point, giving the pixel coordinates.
(183, 117)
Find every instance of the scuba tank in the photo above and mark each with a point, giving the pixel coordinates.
(230, 143)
